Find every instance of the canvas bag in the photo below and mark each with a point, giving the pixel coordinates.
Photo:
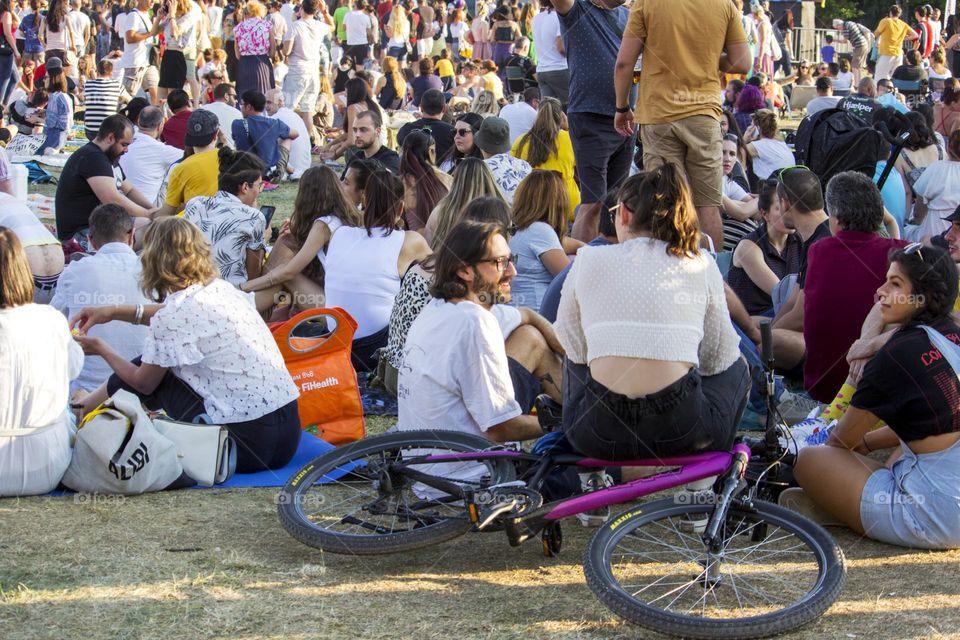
(206, 451)
(316, 349)
(118, 451)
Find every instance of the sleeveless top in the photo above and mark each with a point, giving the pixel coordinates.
(503, 34)
(333, 223)
(388, 95)
(362, 275)
(755, 299)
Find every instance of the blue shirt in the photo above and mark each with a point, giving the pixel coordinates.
(31, 31)
(827, 53)
(262, 136)
(551, 299)
(890, 100)
(592, 39)
(893, 194)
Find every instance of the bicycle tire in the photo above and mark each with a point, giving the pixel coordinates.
(343, 463)
(812, 603)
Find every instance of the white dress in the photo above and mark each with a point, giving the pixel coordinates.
(38, 358)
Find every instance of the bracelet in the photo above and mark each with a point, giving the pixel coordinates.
(623, 109)
(139, 314)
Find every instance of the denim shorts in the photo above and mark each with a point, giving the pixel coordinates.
(916, 503)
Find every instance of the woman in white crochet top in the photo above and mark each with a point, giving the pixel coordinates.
(654, 367)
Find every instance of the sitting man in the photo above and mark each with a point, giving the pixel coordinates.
(111, 276)
(175, 129)
(295, 153)
(458, 372)
(493, 140)
(91, 177)
(863, 103)
(230, 219)
(224, 97)
(147, 159)
(197, 174)
(261, 135)
(432, 107)
(521, 60)
(366, 142)
(825, 98)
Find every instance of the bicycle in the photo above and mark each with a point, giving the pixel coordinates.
(723, 564)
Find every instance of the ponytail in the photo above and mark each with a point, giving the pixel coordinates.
(660, 203)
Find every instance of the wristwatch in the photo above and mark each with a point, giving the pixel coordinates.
(623, 109)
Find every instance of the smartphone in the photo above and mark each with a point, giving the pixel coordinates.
(268, 212)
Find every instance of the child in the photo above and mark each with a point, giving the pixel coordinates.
(827, 51)
(217, 61)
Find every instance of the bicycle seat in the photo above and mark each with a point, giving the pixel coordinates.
(549, 412)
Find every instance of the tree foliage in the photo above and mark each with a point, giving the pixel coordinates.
(868, 12)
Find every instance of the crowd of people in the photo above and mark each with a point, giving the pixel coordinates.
(555, 197)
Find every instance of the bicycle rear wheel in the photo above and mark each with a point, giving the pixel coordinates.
(775, 570)
(356, 499)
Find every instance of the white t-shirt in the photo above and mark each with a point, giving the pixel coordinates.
(78, 21)
(213, 339)
(844, 80)
(546, 30)
(135, 55)
(226, 115)
(820, 103)
(286, 10)
(733, 190)
(771, 156)
(356, 23)
(307, 36)
(520, 116)
(215, 17)
(146, 162)
(455, 374)
(300, 159)
(939, 186)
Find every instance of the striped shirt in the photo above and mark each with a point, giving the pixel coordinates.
(102, 95)
(855, 33)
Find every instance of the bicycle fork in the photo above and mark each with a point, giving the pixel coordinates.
(734, 482)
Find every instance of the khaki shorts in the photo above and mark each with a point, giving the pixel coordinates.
(301, 90)
(133, 78)
(859, 57)
(693, 144)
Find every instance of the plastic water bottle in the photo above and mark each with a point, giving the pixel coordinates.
(18, 176)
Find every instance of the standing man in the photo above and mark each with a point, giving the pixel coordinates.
(552, 72)
(425, 30)
(859, 38)
(891, 33)
(278, 28)
(138, 30)
(358, 29)
(592, 31)
(79, 24)
(306, 55)
(686, 44)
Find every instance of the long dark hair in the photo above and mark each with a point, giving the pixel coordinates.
(56, 14)
(933, 275)
(415, 164)
(382, 202)
(921, 136)
(358, 91)
(465, 245)
(319, 194)
(660, 203)
(474, 120)
(541, 140)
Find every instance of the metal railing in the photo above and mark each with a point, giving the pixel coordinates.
(807, 43)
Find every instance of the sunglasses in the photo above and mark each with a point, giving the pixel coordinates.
(462, 132)
(914, 248)
(785, 169)
(501, 262)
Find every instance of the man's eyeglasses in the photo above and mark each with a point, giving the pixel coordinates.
(914, 248)
(501, 262)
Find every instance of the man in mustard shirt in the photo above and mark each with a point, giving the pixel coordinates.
(891, 33)
(686, 44)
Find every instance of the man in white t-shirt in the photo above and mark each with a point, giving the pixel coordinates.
(79, 24)
(471, 363)
(137, 31)
(825, 98)
(147, 159)
(224, 97)
(287, 10)
(215, 20)
(357, 24)
(521, 115)
(552, 72)
(294, 154)
(306, 54)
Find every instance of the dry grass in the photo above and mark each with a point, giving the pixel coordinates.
(217, 564)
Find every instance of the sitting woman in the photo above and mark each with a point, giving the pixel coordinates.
(208, 354)
(464, 129)
(423, 184)
(844, 79)
(353, 180)
(58, 119)
(547, 146)
(540, 243)
(42, 249)
(365, 264)
(391, 88)
(661, 378)
(471, 180)
(764, 257)
(296, 262)
(359, 99)
(938, 191)
(946, 112)
(768, 152)
(739, 210)
(486, 104)
(911, 384)
(40, 358)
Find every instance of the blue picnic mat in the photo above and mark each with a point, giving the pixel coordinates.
(310, 447)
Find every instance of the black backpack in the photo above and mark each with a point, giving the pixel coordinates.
(835, 140)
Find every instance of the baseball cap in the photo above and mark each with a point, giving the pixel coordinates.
(493, 136)
(954, 217)
(53, 63)
(202, 128)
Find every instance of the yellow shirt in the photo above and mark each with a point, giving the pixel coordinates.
(562, 162)
(683, 40)
(444, 68)
(893, 31)
(956, 305)
(492, 83)
(195, 176)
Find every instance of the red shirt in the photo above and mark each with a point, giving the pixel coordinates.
(843, 275)
(175, 129)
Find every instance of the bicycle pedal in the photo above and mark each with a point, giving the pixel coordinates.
(487, 516)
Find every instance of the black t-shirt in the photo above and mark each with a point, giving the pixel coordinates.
(75, 199)
(860, 105)
(909, 73)
(441, 131)
(822, 231)
(911, 386)
(389, 158)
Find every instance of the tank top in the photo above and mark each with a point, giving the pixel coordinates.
(503, 34)
(362, 275)
(388, 95)
(57, 39)
(755, 299)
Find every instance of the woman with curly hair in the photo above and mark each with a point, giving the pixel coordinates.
(208, 354)
(296, 262)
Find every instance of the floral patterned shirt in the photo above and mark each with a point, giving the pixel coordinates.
(253, 37)
(508, 172)
(231, 227)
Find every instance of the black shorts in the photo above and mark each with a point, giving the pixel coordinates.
(526, 387)
(173, 70)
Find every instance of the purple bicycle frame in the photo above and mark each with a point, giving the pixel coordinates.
(691, 468)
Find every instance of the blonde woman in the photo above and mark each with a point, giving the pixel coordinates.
(472, 179)
(179, 25)
(480, 33)
(398, 32)
(324, 117)
(768, 151)
(254, 48)
(207, 354)
(391, 87)
(547, 146)
(491, 81)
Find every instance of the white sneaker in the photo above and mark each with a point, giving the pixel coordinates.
(594, 481)
(807, 433)
(795, 407)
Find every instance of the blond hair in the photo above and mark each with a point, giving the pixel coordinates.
(175, 256)
(16, 286)
(254, 9)
(542, 197)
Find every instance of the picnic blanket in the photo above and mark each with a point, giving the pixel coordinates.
(53, 160)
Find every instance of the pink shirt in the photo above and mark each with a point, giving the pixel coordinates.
(253, 37)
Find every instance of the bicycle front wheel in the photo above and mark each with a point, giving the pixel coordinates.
(361, 499)
(774, 570)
